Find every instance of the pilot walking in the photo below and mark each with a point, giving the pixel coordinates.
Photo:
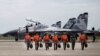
(36, 39)
(55, 40)
(27, 40)
(73, 39)
(46, 39)
(64, 39)
(83, 39)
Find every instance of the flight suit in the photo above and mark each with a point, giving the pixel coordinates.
(83, 39)
(27, 40)
(36, 39)
(55, 40)
(64, 40)
(46, 40)
(73, 39)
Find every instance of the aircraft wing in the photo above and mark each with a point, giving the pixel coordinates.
(90, 32)
(57, 30)
(12, 32)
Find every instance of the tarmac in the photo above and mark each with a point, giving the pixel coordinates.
(12, 48)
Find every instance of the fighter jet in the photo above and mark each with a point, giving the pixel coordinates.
(73, 25)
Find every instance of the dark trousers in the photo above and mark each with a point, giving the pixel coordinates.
(73, 45)
(94, 38)
(28, 44)
(36, 45)
(55, 46)
(47, 45)
(64, 45)
(83, 45)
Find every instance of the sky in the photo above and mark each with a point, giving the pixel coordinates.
(14, 12)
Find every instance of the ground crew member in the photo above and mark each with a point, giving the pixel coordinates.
(27, 40)
(83, 38)
(55, 40)
(36, 39)
(64, 39)
(93, 29)
(94, 37)
(46, 40)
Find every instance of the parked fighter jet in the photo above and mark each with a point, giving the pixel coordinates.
(73, 25)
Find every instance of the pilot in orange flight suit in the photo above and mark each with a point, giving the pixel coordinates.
(46, 40)
(27, 40)
(83, 38)
(55, 40)
(64, 39)
(36, 39)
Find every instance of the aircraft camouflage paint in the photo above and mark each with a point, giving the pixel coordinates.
(73, 25)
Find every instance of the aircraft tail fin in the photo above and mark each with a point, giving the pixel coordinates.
(79, 23)
(70, 23)
(58, 24)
